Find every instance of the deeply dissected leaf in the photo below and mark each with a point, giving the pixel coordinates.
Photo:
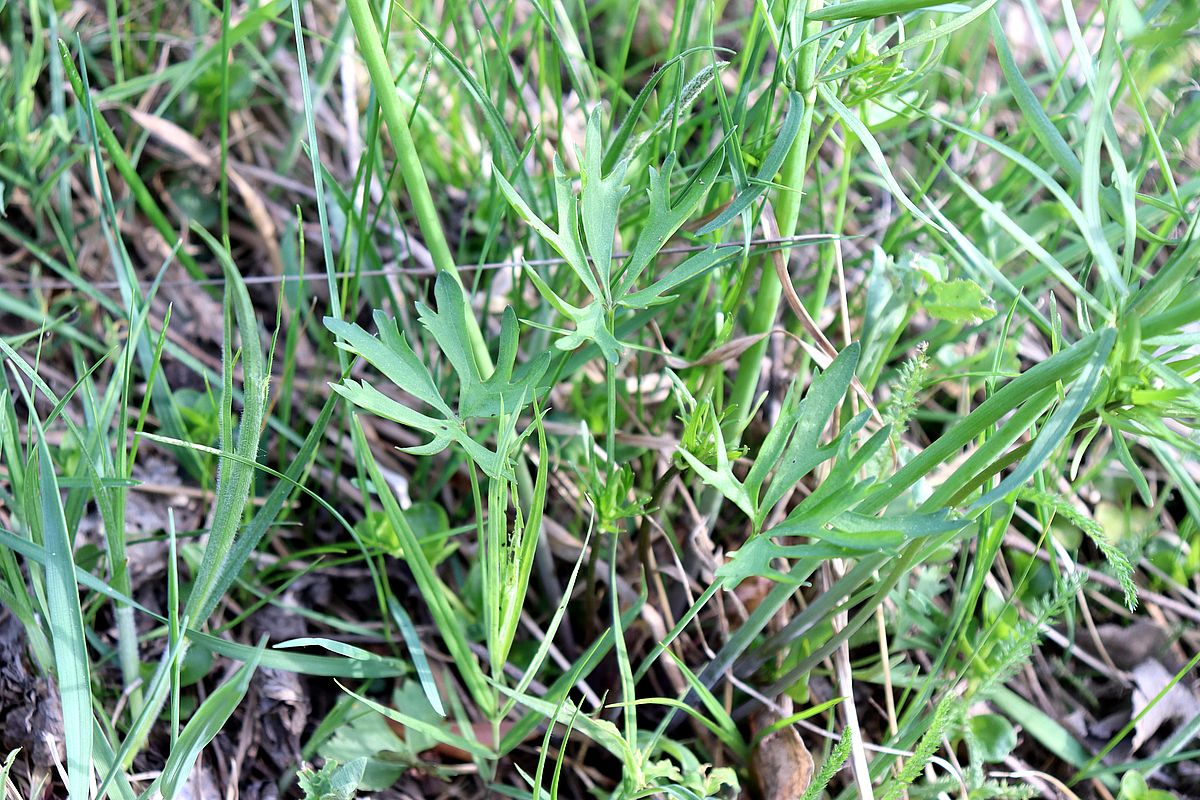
(333, 781)
(502, 394)
(566, 239)
(600, 197)
(597, 208)
(666, 216)
(506, 390)
(803, 452)
(753, 559)
(691, 267)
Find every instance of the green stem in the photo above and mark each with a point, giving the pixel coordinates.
(407, 158)
(787, 211)
(816, 300)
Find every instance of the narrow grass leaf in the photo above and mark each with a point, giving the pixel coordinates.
(1031, 107)
(203, 727)
(72, 670)
(869, 9)
(416, 652)
(860, 130)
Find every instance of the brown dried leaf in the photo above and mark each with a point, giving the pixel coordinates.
(30, 713)
(731, 349)
(782, 764)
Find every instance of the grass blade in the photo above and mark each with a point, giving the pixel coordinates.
(72, 669)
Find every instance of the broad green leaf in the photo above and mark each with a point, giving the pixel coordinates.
(356, 732)
(1046, 731)
(993, 736)
(1134, 787)
(959, 300)
(437, 732)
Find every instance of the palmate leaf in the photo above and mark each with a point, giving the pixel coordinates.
(591, 218)
(509, 388)
(667, 215)
(502, 395)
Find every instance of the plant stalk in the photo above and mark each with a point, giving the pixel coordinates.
(770, 290)
(408, 160)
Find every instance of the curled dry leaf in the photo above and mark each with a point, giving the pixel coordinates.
(726, 352)
(783, 766)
